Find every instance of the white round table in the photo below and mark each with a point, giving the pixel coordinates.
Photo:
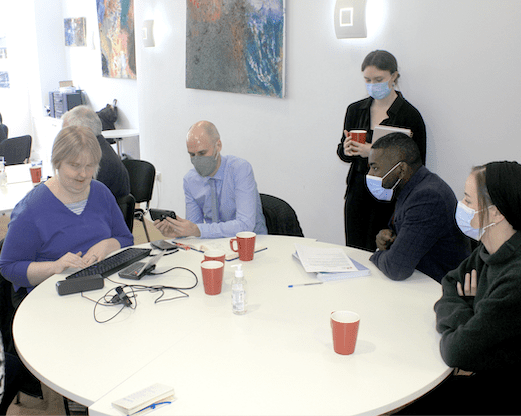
(277, 359)
(118, 135)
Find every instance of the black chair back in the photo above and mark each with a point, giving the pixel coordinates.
(16, 150)
(127, 204)
(142, 175)
(281, 219)
(4, 132)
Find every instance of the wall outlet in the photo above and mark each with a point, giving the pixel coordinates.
(158, 176)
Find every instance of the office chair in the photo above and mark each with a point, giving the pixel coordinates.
(30, 384)
(281, 219)
(127, 204)
(4, 130)
(16, 150)
(142, 175)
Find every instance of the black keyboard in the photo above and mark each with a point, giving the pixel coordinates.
(114, 263)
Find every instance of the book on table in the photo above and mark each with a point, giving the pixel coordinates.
(329, 263)
(145, 400)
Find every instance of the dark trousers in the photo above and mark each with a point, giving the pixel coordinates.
(15, 376)
(479, 394)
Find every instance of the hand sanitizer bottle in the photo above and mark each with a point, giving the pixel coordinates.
(239, 300)
(3, 174)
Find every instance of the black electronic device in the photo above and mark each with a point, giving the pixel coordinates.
(80, 284)
(61, 102)
(122, 296)
(141, 268)
(164, 245)
(114, 263)
(161, 214)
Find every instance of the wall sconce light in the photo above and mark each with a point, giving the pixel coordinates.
(148, 33)
(350, 19)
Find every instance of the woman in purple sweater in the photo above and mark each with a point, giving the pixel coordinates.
(70, 220)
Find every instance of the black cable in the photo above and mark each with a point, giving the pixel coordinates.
(115, 300)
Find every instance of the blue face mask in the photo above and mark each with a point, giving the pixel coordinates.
(374, 184)
(378, 91)
(464, 215)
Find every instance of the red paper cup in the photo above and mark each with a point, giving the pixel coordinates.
(345, 330)
(216, 254)
(358, 135)
(245, 245)
(212, 276)
(36, 174)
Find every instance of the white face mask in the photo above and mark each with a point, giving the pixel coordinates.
(464, 215)
(374, 184)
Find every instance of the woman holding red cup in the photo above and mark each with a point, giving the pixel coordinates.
(364, 216)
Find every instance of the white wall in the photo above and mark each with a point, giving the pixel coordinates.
(23, 67)
(458, 60)
(84, 68)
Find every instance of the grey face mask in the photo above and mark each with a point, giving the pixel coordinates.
(204, 165)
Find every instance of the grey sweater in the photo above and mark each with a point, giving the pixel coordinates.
(483, 333)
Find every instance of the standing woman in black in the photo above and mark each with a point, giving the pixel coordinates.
(364, 216)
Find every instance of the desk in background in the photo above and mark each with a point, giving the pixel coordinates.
(119, 135)
(18, 185)
(276, 359)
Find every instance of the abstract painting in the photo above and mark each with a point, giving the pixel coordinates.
(75, 31)
(236, 46)
(116, 29)
(4, 73)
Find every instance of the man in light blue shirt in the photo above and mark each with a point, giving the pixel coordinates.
(220, 192)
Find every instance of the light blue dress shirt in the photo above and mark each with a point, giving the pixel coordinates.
(239, 202)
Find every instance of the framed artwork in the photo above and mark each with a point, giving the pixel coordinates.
(117, 44)
(236, 46)
(75, 31)
(4, 73)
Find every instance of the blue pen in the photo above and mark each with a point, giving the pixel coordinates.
(153, 406)
(306, 284)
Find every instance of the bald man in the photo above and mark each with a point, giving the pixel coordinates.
(220, 192)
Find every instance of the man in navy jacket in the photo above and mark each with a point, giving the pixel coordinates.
(422, 232)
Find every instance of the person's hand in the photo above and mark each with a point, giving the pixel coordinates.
(179, 227)
(384, 239)
(470, 286)
(347, 144)
(69, 260)
(100, 250)
(352, 148)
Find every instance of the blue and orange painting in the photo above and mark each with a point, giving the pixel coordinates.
(236, 46)
(116, 30)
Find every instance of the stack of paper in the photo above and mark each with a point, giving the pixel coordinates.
(145, 400)
(329, 263)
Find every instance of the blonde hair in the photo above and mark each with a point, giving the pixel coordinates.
(483, 196)
(73, 141)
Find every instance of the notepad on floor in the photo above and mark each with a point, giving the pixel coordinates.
(145, 400)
